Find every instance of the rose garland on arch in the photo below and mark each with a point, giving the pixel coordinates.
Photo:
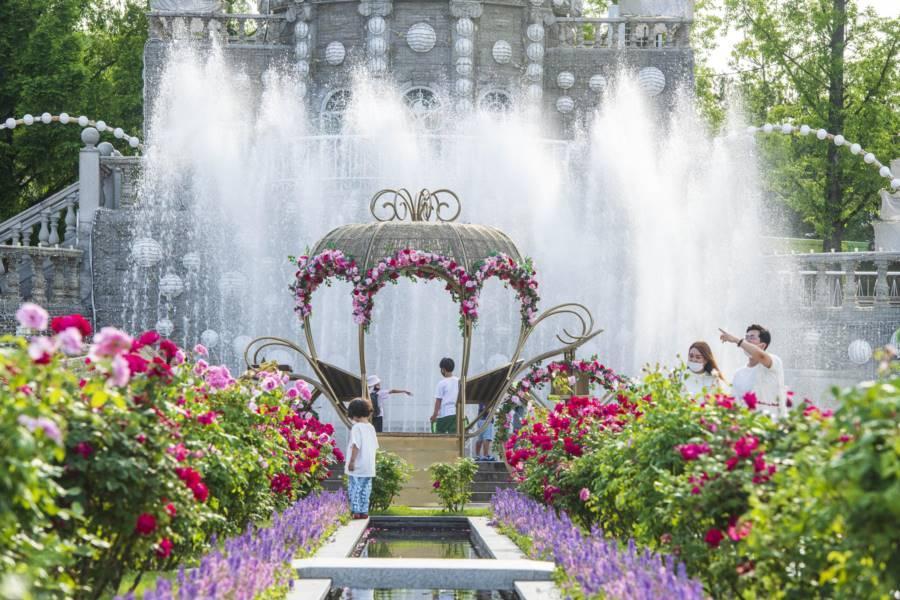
(414, 264)
(539, 376)
(313, 271)
(465, 288)
(520, 277)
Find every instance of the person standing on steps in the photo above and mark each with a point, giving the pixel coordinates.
(444, 416)
(361, 449)
(378, 396)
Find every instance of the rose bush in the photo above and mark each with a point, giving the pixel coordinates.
(140, 453)
(753, 507)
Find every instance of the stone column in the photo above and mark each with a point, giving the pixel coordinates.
(377, 34)
(465, 12)
(88, 203)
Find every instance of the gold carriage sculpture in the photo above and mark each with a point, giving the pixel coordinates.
(424, 225)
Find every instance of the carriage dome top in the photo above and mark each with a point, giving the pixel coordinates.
(425, 223)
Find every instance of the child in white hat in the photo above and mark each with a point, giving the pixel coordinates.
(378, 396)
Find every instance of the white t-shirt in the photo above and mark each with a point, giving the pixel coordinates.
(362, 435)
(447, 392)
(767, 383)
(698, 383)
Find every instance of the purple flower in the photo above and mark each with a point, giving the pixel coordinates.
(32, 316)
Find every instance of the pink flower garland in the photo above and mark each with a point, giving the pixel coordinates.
(466, 288)
(314, 271)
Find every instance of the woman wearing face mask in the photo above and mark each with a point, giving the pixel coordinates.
(703, 372)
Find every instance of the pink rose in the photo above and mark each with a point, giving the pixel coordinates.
(121, 373)
(584, 494)
(110, 342)
(70, 340)
(32, 316)
(41, 349)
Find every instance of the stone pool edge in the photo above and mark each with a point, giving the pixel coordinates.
(529, 578)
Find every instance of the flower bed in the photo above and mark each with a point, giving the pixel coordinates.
(752, 507)
(136, 457)
(258, 560)
(562, 372)
(590, 565)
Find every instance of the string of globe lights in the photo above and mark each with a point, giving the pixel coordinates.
(838, 139)
(83, 121)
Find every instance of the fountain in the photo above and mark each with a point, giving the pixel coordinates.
(573, 134)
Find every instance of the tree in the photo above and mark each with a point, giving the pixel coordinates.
(828, 65)
(80, 57)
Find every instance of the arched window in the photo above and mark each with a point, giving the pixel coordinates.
(496, 101)
(333, 110)
(425, 107)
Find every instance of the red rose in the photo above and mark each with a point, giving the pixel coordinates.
(136, 363)
(148, 338)
(84, 449)
(60, 324)
(168, 348)
(146, 524)
(436, 484)
(201, 492)
(714, 537)
(171, 510)
(164, 548)
(750, 400)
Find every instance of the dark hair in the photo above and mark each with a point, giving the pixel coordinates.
(764, 335)
(711, 367)
(359, 408)
(447, 364)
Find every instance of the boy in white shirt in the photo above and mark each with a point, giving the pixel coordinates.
(360, 458)
(444, 416)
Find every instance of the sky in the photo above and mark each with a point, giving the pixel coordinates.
(718, 59)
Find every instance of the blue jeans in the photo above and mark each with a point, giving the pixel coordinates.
(360, 488)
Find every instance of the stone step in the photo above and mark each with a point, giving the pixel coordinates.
(490, 486)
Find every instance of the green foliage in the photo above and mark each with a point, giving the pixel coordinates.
(828, 65)
(391, 472)
(64, 56)
(830, 527)
(453, 482)
(30, 461)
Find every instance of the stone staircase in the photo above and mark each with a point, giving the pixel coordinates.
(490, 477)
(335, 481)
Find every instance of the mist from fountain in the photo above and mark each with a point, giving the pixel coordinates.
(644, 218)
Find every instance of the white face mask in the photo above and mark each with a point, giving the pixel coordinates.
(696, 367)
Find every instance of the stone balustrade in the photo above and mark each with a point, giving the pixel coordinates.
(51, 222)
(235, 28)
(46, 276)
(640, 33)
(119, 181)
(838, 280)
